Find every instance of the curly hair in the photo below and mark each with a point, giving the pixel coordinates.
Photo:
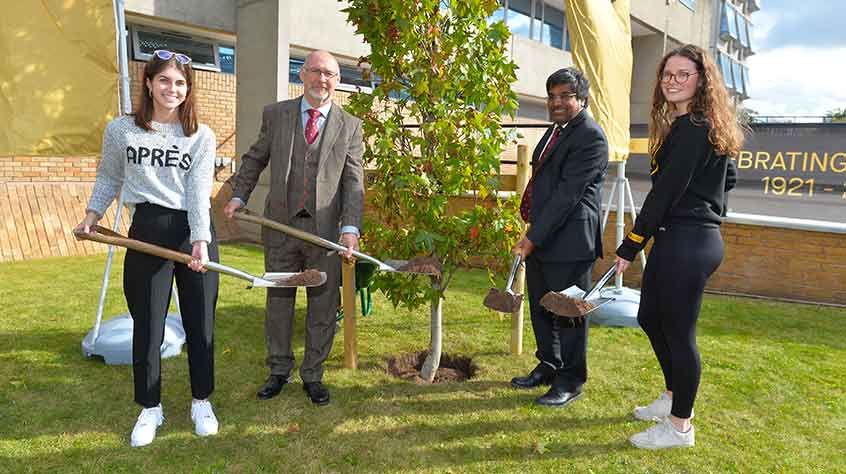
(711, 104)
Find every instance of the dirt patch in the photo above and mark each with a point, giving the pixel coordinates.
(502, 301)
(453, 368)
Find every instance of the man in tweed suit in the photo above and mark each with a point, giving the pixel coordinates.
(314, 150)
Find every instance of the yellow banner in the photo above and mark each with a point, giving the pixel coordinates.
(601, 39)
(58, 76)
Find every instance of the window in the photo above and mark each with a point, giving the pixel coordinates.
(205, 53)
(728, 23)
(534, 19)
(744, 71)
(739, 85)
(689, 4)
(742, 26)
(725, 69)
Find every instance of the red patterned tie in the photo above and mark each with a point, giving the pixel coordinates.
(311, 126)
(526, 201)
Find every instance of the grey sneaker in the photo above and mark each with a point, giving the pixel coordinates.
(663, 435)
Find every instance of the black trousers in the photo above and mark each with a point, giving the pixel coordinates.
(147, 283)
(681, 260)
(561, 342)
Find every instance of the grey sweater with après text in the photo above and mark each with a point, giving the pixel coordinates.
(162, 167)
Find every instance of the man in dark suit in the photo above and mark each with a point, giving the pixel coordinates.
(314, 150)
(562, 203)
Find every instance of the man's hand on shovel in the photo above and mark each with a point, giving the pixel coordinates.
(87, 224)
(350, 241)
(524, 247)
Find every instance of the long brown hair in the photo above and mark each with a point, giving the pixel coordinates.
(711, 103)
(187, 110)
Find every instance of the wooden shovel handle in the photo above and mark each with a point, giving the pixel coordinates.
(248, 216)
(106, 236)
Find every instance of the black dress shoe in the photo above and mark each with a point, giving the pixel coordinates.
(272, 387)
(535, 378)
(318, 394)
(559, 397)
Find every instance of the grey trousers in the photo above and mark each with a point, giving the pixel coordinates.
(294, 255)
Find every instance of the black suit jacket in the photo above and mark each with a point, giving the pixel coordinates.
(566, 194)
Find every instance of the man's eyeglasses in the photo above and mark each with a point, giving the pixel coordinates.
(165, 55)
(681, 77)
(569, 95)
(317, 71)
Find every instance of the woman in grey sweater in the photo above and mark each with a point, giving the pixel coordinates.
(163, 160)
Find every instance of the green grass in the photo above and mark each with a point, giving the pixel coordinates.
(772, 397)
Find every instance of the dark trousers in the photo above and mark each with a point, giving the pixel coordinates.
(147, 283)
(681, 260)
(561, 342)
(294, 255)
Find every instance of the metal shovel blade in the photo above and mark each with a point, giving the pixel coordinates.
(417, 265)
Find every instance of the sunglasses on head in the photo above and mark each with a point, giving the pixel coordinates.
(165, 55)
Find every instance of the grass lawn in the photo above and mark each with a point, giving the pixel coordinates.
(772, 400)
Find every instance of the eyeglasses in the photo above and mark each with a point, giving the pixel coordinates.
(317, 71)
(681, 77)
(569, 95)
(165, 55)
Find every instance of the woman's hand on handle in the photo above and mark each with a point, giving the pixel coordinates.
(200, 254)
(622, 264)
(88, 222)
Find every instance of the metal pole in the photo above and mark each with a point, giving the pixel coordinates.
(620, 213)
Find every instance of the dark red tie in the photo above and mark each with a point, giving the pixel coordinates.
(311, 126)
(526, 201)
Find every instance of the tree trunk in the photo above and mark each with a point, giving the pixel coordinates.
(433, 360)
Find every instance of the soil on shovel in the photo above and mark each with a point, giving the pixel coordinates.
(502, 301)
(309, 277)
(566, 306)
(453, 368)
(428, 265)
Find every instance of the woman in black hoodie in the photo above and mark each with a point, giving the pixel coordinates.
(693, 133)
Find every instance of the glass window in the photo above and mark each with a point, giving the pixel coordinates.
(739, 85)
(294, 66)
(728, 23)
(350, 75)
(537, 21)
(553, 27)
(519, 17)
(227, 58)
(744, 33)
(147, 40)
(689, 4)
(725, 69)
(745, 75)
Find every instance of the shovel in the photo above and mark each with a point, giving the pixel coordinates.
(268, 280)
(417, 265)
(574, 302)
(505, 301)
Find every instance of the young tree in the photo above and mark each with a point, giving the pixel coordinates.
(837, 115)
(444, 68)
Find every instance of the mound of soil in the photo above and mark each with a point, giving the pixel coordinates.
(453, 368)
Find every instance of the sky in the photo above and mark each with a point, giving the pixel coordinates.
(799, 65)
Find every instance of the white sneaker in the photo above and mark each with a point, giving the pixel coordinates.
(145, 428)
(663, 435)
(656, 410)
(205, 423)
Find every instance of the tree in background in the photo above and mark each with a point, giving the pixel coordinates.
(444, 67)
(837, 115)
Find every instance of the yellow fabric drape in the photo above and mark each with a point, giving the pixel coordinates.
(58, 76)
(601, 40)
